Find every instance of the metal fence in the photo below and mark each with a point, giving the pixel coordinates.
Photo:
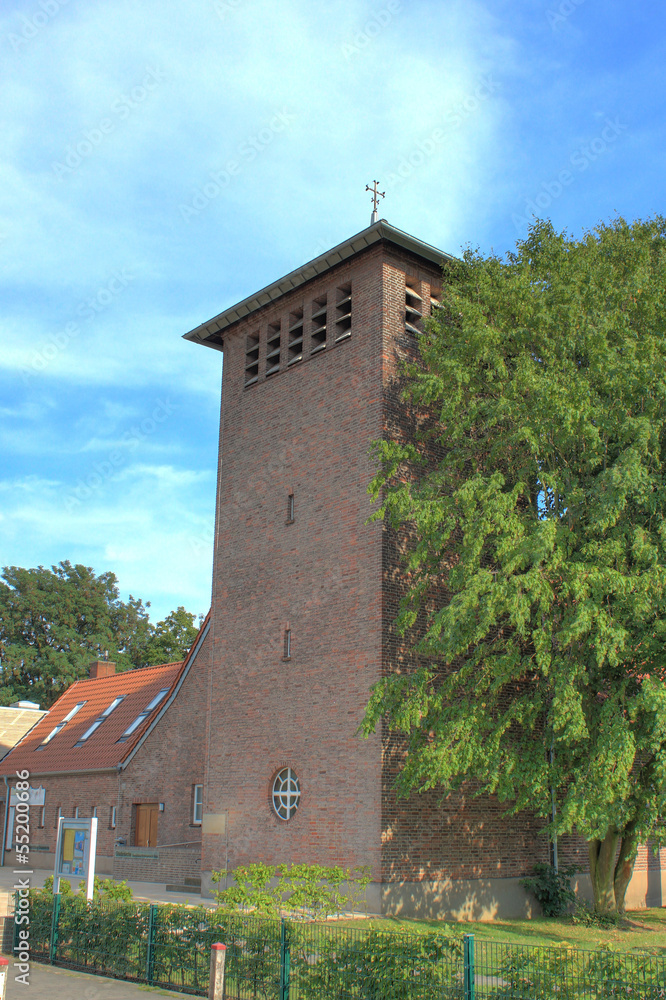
(169, 946)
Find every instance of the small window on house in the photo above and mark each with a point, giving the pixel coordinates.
(93, 812)
(318, 324)
(58, 814)
(112, 817)
(61, 725)
(252, 358)
(273, 349)
(76, 812)
(290, 508)
(286, 793)
(295, 343)
(42, 817)
(413, 307)
(197, 805)
(133, 726)
(99, 720)
(343, 313)
(287, 644)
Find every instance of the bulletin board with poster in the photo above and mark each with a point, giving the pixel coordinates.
(76, 848)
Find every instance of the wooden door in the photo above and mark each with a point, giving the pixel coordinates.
(145, 834)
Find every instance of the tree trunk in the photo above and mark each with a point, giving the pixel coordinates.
(624, 868)
(602, 871)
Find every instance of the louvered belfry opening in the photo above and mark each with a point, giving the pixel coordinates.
(273, 349)
(413, 307)
(295, 336)
(318, 325)
(252, 358)
(343, 310)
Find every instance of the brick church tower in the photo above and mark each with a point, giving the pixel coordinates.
(305, 592)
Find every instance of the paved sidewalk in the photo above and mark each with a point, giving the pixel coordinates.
(49, 982)
(152, 891)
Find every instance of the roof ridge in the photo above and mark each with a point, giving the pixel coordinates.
(210, 332)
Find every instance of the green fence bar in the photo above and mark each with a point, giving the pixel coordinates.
(468, 967)
(53, 944)
(284, 961)
(150, 949)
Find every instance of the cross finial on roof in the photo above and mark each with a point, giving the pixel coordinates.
(376, 195)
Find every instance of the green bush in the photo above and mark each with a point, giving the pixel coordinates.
(378, 965)
(107, 888)
(551, 888)
(537, 973)
(587, 916)
(305, 890)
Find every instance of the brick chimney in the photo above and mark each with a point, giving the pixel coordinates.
(102, 668)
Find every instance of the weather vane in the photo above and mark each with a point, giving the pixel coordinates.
(376, 195)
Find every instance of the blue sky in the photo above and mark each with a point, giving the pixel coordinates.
(162, 161)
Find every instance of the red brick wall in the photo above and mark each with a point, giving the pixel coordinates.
(169, 865)
(69, 791)
(170, 762)
(305, 430)
(335, 581)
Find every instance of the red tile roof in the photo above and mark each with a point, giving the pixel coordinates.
(101, 749)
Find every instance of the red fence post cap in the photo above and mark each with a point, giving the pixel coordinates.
(3, 960)
(219, 947)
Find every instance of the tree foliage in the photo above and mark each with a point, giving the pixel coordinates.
(171, 638)
(541, 519)
(54, 622)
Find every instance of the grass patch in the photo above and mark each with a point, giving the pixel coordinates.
(643, 930)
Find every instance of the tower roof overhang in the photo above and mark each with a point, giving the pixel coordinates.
(211, 333)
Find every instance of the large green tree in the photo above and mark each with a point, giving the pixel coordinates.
(54, 622)
(536, 574)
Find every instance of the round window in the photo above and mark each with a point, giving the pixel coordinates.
(286, 793)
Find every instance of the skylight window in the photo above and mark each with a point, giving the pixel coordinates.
(143, 716)
(61, 725)
(99, 720)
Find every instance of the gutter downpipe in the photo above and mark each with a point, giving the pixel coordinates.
(554, 809)
(4, 828)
